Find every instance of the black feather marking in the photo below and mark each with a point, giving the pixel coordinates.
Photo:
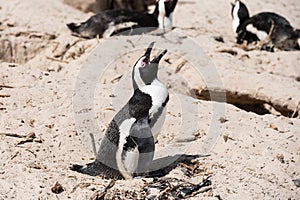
(139, 104)
(113, 133)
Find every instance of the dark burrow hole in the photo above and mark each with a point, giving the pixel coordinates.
(245, 102)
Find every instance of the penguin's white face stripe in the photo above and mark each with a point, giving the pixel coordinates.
(158, 95)
(260, 34)
(137, 75)
(236, 20)
(124, 130)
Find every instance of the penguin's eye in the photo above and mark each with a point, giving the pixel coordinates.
(143, 64)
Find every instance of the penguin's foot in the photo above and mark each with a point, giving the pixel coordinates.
(266, 47)
(245, 46)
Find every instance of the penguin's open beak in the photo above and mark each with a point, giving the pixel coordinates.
(148, 52)
(159, 57)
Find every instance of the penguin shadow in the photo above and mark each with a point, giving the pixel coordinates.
(159, 168)
(163, 166)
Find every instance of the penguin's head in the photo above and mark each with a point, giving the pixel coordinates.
(239, 13)
(145, 71)
(149, 72)
(163, 12)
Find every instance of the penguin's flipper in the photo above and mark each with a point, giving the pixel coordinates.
(142, 135)
(130, 157)
(137, 150)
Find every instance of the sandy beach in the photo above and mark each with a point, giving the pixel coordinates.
(233, 115)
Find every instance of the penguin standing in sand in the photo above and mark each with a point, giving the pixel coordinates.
(109, 22)
(127, 148)
(142, 76)
(270, 29)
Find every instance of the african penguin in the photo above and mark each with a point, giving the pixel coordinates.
(127, 148)
(109, 22)
(145, 72)
(267, 27)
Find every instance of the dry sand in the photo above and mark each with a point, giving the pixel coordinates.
(247, 154)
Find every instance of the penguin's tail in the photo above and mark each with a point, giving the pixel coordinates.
(89, 169)
(77, 168)
(97, 169)
(74, 27)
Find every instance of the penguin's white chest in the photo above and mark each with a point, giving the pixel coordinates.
(158, 95)
(262, 35)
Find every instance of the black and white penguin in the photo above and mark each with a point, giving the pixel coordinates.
(144, 73)
(109, 22)
(269, 28)
(127, 148)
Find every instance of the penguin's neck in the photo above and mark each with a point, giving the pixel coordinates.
(157, 82)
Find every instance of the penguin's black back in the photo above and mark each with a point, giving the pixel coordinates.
(140, 136)
(124, 15)
(263, 21)
(282, 31)
(99, 23)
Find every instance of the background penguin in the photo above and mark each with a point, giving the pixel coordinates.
(137, 5)
(127, 148)
(239, 14)
(145, 72)
(267, 27)
(107, 23)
